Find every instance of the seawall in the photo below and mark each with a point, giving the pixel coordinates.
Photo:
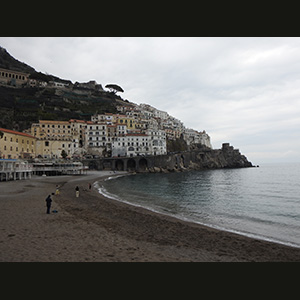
(226, 157)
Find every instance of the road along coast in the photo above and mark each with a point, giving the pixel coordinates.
(95, 228)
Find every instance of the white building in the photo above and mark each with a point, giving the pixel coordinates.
(133, 144)
(192, 136)
(153, 142)
(205, 139)
(58, 84)
(158, 143)
(107, 118)
(96, 138)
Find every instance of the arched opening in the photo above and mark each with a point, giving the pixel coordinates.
(92, 165)
(143, 164)
(131, 164)
(119, 165)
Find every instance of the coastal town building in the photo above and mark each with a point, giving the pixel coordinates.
(57, 137)
(192, 136)
(133, 144)
(13, 78)
(128, 121)
(144, 132)
(136, 130)
(107, 118)
(139, 130)
(14, 144)
(96, 138)
(158, 141)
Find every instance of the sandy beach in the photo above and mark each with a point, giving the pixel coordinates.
(92, 228)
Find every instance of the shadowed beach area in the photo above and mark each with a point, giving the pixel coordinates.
(94, 228)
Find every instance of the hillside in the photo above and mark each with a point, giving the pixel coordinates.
(9, 62)
(19, 107)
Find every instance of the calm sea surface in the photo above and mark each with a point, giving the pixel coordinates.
(259, 202)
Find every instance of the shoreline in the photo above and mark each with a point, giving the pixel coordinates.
(96, 228)
(241, 233)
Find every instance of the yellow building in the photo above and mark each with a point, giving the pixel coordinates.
(129, 122)
(54, 129)
(14, 144)
(55, 136)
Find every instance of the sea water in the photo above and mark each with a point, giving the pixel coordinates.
(259, 202)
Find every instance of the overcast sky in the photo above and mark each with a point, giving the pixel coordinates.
(245, 91)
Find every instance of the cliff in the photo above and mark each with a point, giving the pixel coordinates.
(227, 157)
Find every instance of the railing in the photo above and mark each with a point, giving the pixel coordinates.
(25, 168)
(51, 168)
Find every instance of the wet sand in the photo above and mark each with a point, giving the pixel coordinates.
(93, 228)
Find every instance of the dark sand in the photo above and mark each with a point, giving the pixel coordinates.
(97, 229)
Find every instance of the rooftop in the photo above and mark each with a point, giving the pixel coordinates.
(16, 132)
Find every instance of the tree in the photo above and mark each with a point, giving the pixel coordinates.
(114, 88)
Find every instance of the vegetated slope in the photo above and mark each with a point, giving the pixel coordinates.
(20, 107)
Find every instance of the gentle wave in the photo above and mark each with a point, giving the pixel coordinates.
(152, 192)
(101, 189)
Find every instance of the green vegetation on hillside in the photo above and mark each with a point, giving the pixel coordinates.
(19, 107)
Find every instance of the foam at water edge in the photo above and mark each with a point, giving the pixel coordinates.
(104, 192)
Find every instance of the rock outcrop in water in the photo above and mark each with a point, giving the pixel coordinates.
(227, 157)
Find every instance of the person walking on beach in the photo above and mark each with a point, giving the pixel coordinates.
(90, 186)
(77, 191)
(48, 203)
(57, 190)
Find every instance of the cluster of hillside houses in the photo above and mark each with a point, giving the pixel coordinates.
(137, 130)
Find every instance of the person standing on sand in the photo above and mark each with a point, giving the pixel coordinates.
(48, 203)
(77, 191)
(57, 190)
(90, 186)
